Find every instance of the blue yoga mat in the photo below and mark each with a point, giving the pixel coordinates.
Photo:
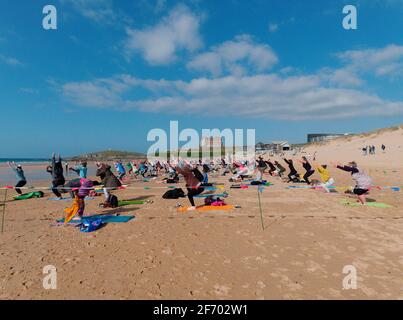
(210, 188)
(221, 195)
(68, 199)
(105, 219)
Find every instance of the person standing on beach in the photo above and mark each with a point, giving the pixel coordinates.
(363, 181)
(280, 169)
(383, 148)
(66, 167)
(193, 184)
(273, 170)
(19, 173)
(109, 180)
(293, 172)
(120, 169)
(56, 170)
(308, 168)
(81, 169)
(327, 180)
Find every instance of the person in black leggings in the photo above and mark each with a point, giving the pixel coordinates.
(192, 193)
(19, 173)
(193, 185)
(272, 167)
(280, 169)
(293, 172)
(56, 170)
(308, 168)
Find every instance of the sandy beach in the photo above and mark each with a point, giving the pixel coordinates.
(309, 237)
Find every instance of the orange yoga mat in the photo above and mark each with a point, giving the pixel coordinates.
(207, 208)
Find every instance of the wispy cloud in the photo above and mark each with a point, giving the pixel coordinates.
(273, 27)
(160, 44)
(10, 60)
(29, 90)
(96, 10)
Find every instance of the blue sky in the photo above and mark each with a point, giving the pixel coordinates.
(113, 70)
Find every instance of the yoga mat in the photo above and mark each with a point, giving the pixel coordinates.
(220, 195)
(123, 203)
(104, 218)
(368, 204)
(210, 188)
(207, 208)
(27, 196)
(68, 199)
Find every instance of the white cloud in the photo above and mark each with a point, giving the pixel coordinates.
(387, 61)
(237, 57)
(343, 77)
(10, 60)
(159, 44)
(267, 96)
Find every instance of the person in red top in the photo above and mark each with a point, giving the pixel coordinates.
(193, 184)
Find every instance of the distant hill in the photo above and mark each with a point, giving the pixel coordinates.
(109, 155)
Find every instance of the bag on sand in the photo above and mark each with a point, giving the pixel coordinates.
(214, 201)
(174, 194)
(91, 226)
(112, 202)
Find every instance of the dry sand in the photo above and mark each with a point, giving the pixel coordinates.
(308, 239)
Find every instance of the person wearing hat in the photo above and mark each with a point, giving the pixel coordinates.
(362, 180)
(19, 173)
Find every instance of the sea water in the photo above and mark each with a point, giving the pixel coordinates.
(34, 170)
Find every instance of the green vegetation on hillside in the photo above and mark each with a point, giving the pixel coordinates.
(111, 155)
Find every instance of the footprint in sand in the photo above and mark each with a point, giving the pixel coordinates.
(168, 251)
(221, 290)
(260, 285)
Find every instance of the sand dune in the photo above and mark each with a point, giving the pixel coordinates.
(349, 148)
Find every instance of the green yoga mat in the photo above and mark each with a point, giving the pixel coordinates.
(29, 196)
(123, 203)
(368, 204)
(104, 218)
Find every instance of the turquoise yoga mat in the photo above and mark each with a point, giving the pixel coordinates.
(105, 219)
(68, 199)
(221, 195)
